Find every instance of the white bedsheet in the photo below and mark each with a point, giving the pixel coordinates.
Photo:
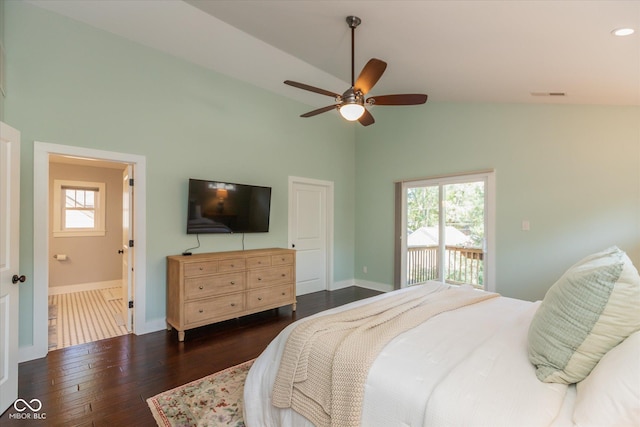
(467, 367)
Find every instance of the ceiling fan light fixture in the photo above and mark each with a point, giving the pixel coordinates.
(351, 112)
(352, 107)
(351, 104)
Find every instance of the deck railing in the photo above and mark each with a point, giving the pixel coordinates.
(463, 265)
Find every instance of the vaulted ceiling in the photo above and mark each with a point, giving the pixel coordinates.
(507, 51)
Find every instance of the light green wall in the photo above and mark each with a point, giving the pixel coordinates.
(2, 43)
(572, 171)
(74, 85)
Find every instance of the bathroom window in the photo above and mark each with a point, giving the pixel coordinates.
(79, 208)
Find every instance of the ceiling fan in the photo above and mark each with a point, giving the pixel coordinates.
(351, 104)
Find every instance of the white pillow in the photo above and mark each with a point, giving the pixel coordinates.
(610, 395)
(592, 308)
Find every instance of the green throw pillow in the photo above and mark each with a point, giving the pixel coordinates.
(592, 308)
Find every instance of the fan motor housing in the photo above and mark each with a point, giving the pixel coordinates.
(351, 96)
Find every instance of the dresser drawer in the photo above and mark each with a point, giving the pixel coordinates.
(269, 276)
(278, 295)
(200, 268)
(227, 265)
(204, 286)
(212, 308)
(283, 259)
(259, 261)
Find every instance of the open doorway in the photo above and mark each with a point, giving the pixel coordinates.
(89, 284)
(41, 232)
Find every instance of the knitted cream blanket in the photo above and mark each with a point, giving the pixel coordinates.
(326, 360)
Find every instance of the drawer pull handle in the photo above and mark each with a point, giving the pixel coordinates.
(283, 275)
(233, 283)
(232, 265)
(259, 278)
(201, 268)
(259, 298)
(282, 259)
(233, 304)
(201, 287)
(284, 293)
(201, 311)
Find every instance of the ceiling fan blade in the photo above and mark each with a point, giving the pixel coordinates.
(402, 99)
(370, 75)
(311, 88)
(319, 111)
(366, 119)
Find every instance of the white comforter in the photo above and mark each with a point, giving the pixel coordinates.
(468, 367)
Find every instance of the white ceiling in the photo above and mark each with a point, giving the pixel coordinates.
(455, 51)
(85, 161)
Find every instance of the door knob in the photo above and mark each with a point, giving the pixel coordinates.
(15, 279)
(120, 251)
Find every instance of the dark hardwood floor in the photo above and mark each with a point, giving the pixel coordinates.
(107, 383)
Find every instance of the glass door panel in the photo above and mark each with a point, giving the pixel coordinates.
(464, 232)
(423, 236)
(445, 231)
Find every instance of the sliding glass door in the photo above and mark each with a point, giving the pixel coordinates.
(446, 231)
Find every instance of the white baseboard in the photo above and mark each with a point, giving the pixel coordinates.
(382, 287)
(376, 286)
(34, 352)
(31, 352)
(81, 287)
(154, 325)
(342, 284)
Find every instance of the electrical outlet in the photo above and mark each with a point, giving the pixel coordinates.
(364, 269)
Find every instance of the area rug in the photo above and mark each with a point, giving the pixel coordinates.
(215, 400)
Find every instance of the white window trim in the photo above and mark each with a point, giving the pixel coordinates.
(58, 207)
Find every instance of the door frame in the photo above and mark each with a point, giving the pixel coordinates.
(41, 151)
(328, 185)
(490, 222)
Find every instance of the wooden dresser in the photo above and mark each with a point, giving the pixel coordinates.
(217, 286)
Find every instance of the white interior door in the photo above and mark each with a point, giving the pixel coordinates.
(127, 251)
(308, 235)
(9, 273)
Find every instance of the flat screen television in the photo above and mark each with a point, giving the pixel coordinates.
(225, 207)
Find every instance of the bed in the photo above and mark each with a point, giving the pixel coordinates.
(478, 365)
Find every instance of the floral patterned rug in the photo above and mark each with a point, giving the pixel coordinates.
(215, 400)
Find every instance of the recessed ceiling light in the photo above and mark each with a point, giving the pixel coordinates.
(621, 32)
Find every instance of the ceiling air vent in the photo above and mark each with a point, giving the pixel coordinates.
(548, 94)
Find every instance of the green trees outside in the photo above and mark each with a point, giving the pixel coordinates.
(464, 209)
